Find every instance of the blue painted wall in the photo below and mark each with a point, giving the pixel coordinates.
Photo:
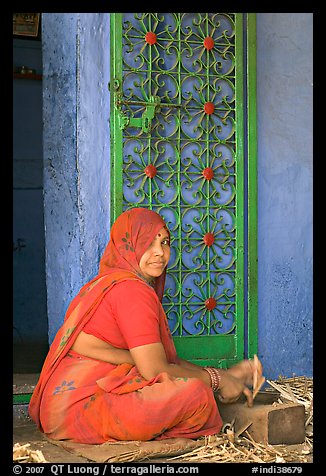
(76, 142)
(76, 176)
(285, 191)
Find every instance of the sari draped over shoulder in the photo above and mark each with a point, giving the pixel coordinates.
(92, 401)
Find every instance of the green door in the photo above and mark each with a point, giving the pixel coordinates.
(183, 140)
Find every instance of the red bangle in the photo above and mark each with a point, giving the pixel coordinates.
(215, 377)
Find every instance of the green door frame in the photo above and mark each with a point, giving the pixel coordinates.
(245, 343)
(252, 252)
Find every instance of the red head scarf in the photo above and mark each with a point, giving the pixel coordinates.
(131, 234)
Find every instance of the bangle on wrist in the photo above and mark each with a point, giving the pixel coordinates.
(215, 377)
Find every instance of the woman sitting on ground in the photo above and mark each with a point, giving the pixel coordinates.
(112, 372)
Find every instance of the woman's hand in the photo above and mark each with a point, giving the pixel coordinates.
(231, 388)
(247, 371)
(236, 379)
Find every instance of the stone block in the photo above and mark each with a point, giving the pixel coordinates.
(270, 422)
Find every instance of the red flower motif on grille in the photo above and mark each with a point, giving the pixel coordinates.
(208, 43)
(150, 171)
(150, 38)
(209, 108)
(208, 239)
(210, 303)
(208, 173)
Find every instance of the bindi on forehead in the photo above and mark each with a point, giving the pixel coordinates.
(163, 232)
(164, 235)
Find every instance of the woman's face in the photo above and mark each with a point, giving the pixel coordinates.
(156, 257)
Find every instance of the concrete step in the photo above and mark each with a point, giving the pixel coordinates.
(23, 387)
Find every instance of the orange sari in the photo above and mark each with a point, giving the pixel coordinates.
(92, 401)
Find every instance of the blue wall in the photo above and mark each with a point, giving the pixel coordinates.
(76, 176)
(285, 191)
(76, 109)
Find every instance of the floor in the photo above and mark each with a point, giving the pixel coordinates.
(25, 431)
(28, 433)
(27, 366)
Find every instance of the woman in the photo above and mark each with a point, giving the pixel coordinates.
(112, 372)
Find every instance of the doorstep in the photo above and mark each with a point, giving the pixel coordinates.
(23, 387)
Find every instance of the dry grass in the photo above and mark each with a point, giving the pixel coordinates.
(23, 454)
(241, 448)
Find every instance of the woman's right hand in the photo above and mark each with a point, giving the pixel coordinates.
(231, 388)
(236, 379)
(246, 370)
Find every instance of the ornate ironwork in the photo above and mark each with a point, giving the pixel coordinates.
(181, 71)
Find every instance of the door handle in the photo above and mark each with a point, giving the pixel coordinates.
(144, 122)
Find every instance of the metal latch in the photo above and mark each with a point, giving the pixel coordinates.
(145, 121)
(152, 106)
